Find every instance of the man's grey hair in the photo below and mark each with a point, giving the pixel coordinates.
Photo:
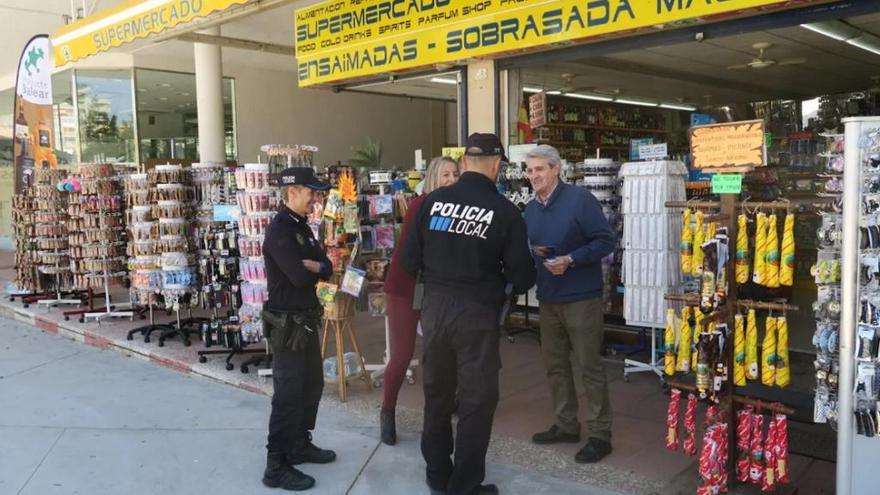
(546, 152)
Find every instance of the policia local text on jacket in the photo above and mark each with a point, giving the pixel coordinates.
(468, 242)
(291, 321)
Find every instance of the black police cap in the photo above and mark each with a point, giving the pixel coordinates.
(479, 144)
(301, 176)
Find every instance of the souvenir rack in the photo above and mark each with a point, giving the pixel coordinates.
(53, 248)
(727, 209)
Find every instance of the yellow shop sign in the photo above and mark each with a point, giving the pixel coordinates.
(346, 39)
(126, 22)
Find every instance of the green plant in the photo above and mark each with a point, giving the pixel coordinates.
(368, 156)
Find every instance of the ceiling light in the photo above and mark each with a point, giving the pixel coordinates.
(838, 30)
(183, 94)
(866, 42)
(528, 89)
(554, 92)
(164, 85)
(181, 105)
(588, 97)
(162, 98)
(142, 90)
(678, 107)
(443, 80)
(635, 102)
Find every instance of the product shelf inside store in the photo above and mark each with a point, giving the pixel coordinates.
(605, 128)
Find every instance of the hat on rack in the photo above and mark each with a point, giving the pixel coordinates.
(479, 144)
(301, 176)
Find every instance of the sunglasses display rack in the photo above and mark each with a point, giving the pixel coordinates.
(53, 250)
(98, 254)
(600, 177)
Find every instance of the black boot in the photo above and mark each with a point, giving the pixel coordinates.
(281, 475)
(309, 453)
(389, 429)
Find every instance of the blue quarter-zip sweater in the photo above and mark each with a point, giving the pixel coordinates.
(572, 222)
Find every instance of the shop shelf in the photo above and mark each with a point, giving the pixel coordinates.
(602, 128)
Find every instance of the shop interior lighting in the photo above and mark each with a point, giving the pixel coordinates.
(635, 102)
(841, 31)
(678, 107)
(529, 89)
(443, 80)
(588, 97)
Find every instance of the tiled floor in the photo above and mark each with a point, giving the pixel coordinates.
(639, 405)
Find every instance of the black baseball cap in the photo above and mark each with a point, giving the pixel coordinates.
(301, 176)
(479, 144)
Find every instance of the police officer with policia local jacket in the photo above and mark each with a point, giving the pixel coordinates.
(467, 245)
(291, 319)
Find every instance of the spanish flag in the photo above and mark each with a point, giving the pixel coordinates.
(524, 129)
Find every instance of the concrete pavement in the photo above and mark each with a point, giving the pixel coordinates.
(76, 419)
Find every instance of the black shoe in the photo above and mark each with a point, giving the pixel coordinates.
(389, 429)
(488, 489)
(594, 451)
(311, 454)
(279, 474)
(555, 435)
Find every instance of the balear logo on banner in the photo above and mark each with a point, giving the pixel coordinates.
(33, 141)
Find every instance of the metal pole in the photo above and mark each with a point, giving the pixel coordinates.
(849, 304)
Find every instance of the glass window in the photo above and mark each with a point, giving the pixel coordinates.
(106, 115)
(7, 107)
(64, 113)
(168, 125)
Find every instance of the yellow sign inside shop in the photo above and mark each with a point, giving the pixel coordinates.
(126, 22)
(345, 39)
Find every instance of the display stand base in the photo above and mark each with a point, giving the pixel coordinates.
(148, 330)
(59, 301)
(342, 327)
(203, 356)
(633, 366)
(261, 359)
(98, 316)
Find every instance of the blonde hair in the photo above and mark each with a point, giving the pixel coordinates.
(433, 173)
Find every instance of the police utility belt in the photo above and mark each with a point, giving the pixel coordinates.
(290, 330)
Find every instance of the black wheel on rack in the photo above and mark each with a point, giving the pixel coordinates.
(129, 337)
(82, 319)
(11, 298)
(143, 317)
(203, 359)
(146, 340)
(26, 305)
(244, 368)
(187, 343)
(66, 318)
(230, 366)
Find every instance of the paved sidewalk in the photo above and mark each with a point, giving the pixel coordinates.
(81, 420)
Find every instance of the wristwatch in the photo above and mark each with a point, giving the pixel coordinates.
(570, 261)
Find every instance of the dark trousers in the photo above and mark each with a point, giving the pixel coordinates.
(461, 360)
(402, 324)
(298, 379)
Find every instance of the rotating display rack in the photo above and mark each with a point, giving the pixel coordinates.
(52, 260)
(98, 244)
(23, 213)
(143, 249)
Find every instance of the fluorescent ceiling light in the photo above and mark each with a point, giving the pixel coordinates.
(443, 80)
(866, 43)
(554, 92)
(837, 30)
(678, 107)
(634, 102)
(528, 89)
(588, 97)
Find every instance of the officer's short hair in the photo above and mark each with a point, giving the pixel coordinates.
(546, 152)
(285, 193)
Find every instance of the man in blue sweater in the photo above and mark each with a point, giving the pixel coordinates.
(569, 236)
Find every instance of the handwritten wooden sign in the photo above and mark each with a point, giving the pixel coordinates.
(729, 146)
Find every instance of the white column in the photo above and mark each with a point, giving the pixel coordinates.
(209, 98)
(481, 109)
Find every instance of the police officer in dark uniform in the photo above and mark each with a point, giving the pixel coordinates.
(291, 319)
(468, 246)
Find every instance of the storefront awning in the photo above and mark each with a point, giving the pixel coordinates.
(341, 41)
(126, 22)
